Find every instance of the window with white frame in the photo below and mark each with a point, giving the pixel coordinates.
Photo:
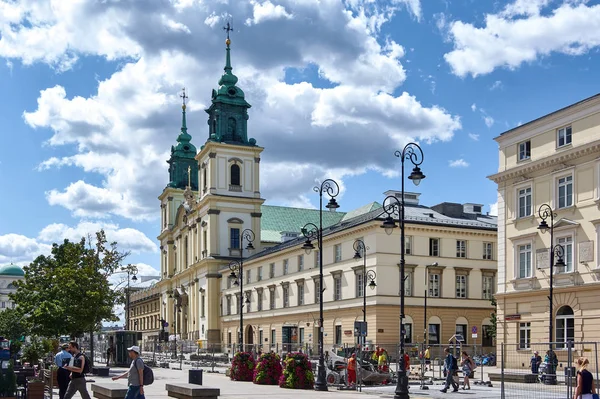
(408, 333)
(565, 326)
(563, 136)
(524, 260)
(228, 305)
(434, 285)
(488, 287)
(524, 150)
(524, 335)
(565, 191)
(272, 298)
(360, 285)
(408, 282)
(337, 288)
(488, 250)
(461, 249)
(300, 263)
(300, 294)
(286, 266)
(337, 252)
(524, 201)
(273, 337)
(259, 300)
(271, 270)
(248, 276)
(259, 274)
(434, 247)
(567, 245)
(461, 286)
(408, 245)
(286, 296)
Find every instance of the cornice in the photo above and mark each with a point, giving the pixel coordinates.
(548, 162)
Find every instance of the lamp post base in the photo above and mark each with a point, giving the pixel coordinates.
(321, 382)
(402, 386)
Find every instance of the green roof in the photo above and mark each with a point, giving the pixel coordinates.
(278, 219)
(361, 211)
(11, 270)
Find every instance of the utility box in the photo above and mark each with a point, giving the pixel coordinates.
(119, 341)
(195, 376)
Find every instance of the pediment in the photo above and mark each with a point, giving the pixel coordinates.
(565, 223)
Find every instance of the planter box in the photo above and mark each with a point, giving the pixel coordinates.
(35, 390)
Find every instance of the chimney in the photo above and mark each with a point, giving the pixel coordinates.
(410, 198)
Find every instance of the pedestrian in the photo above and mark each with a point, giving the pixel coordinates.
(536, 360)
(427, 358)
(108, 353)
(467, 365)
(449, 369)
(135, 374)
(352, 370)
(77, 383)
(61, 359)
(586, 389)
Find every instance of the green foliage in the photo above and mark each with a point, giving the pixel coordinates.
(58, 290)
(493, 320)
(33, 352)
(15, 347)
(9, 382)
(12, 326)
(3, 384)
(50, 345)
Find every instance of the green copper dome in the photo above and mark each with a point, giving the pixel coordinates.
(11, 270)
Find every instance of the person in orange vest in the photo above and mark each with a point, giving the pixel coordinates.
(352, 369)
(407, 364)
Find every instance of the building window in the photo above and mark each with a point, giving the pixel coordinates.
(488, 287)
(408, 245)
(360, 285)
(300, 263)
(259, 300)
(273, 337)
(567, 244)
(286, 296)
(203, 306)
(248, 304)
(461, 249)
(338, 252)
(408, 333)
(205, 243)
(235, 175)
(338, 335)
(261, 338)
(204, 179)
(434, 285)
(408, 282)
(461, 286)
(228, 305)
(286, 266)
(524, 260)
(565, 326)
(229, 338)
(524, 335)
(434, 247)
(525, 208)
(488, 250)
(563, 136)
(337, 288)
(317, 290)
(234, 238)
(259, 274)
(461, 329)
(524, 150)
(248, 276)
(271, 270)
(300, 294)
(434, 334)
(301, 335)
(486, 336)
(565, 191)
(272, 299)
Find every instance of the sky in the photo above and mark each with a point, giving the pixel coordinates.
(90, 106)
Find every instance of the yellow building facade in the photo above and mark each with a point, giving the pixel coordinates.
(552, 160)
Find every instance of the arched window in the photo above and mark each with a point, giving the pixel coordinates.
(565, 326)
(235, 175)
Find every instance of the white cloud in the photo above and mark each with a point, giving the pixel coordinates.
(489, 121)
(496, 85)
(522, 33)
(20, 249)
(494, 209)
(123, 132)
(458, 163)
(474, 137)
(265, 11)
(473, 107)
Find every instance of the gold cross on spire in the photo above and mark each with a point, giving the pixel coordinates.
(184, 97)
(189, 176)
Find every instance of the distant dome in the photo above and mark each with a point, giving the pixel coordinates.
(11, 270)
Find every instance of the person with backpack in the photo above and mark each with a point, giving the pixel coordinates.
(78, 370)
(468, 365)
(135, 374)
(450, 367)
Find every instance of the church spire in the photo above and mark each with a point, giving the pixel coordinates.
(228, 78)
(184, 137)
(183, 167)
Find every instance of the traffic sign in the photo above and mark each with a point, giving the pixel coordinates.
(474, 336)
(474, 330)
(360, 329)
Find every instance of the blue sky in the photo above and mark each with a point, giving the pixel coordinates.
(89, 102)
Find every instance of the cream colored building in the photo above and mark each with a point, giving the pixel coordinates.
(214, 195)
(552, 160)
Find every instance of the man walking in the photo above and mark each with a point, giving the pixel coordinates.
(77, 383)
(135, 374)
(61, 359)
(450, 367)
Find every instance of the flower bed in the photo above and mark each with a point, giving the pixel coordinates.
(242, 367)
(297, 373)
(268, 369)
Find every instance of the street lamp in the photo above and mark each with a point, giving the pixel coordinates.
(425, 329)
(176, 309)
(558, 251)
(414, 153)
(237, 266)
(130, 270)
(311, 232)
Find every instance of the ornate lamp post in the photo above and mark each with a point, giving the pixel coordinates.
(311, 232)
(558, 251)
(237, 266)
(414, 154)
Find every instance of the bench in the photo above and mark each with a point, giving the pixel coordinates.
(100, 371)
(109, 391)
(189, 391)
(514, 377)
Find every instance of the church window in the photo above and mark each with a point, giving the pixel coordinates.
(234, 237)
(235, 175)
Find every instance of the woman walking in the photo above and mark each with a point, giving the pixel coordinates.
(585, 381)
(467, 365)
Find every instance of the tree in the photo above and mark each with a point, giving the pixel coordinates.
(493, 321)
(12, 326)
(67, 292)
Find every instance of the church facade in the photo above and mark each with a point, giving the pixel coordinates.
(212, 208)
